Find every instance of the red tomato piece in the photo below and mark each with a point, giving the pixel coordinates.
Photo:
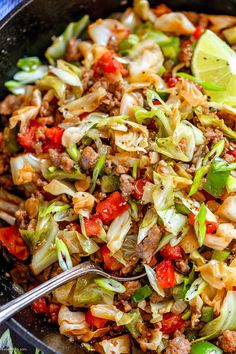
(138, 188)
(191, 219)
(170, 252)
(172, 82)
(53, 310)
(171, 323)
(93, 226)
(165, 274)
(232, 151)
(110, 263)
(26, 140)
(40, 306)
(95, 321)
(198, 32)
(12, 240)
(111, 207)
(108, 64)
(54, 134)
(199, 87)
(211, 227)
(156, 102)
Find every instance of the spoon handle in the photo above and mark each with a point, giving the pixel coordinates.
(16, 305)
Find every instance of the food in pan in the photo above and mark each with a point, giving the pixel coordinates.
(119, 148)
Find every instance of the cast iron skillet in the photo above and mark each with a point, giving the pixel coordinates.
(27, 31)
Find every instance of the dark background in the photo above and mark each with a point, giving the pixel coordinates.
(5, 7)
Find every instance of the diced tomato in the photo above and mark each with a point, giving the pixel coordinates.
(172, 252)
(29, 136)
(138, 188)
(93, 226)
(40, 306)
(110, 263)
(53, 310)
(54, 134)
(153, 261)
(211, 227)
(191, 219)
(172, 82)
(108, 64)
(95, 321)
(156, 102)
(111, 207)
(199, 87)
(165, 274)
(12, 240)
(171, 323)
(232, 151)
(198, 32)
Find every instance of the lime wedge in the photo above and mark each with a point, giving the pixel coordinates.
(215, 62)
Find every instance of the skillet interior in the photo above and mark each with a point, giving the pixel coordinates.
(27, 31)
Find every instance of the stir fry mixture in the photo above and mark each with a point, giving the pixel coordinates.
(120, 149)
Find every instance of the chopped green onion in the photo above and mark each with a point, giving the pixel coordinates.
(200, 173)
(110, 284)
(186, 315)
(63, 255)
(110, 183)
(220, 255)
(200, 224)
(217, 150)
(207, 314)
(73, 152)
(141, 294)
(135, 169)
(134, 210)
(206, 85)
(97, 169)
(29, 64)
(81, 220)
(195, 289)
(191, 276)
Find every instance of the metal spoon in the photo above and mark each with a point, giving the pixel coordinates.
(16, 305)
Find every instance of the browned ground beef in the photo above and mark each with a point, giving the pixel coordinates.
(61, 160)
(126, 185)
(178, 345)
(186, 52)
(88, 158)
(147, 248)
(227, 341)
(10, 104)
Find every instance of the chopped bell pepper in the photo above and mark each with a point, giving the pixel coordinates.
(142, 293)
(205, 348)
(11, 238)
